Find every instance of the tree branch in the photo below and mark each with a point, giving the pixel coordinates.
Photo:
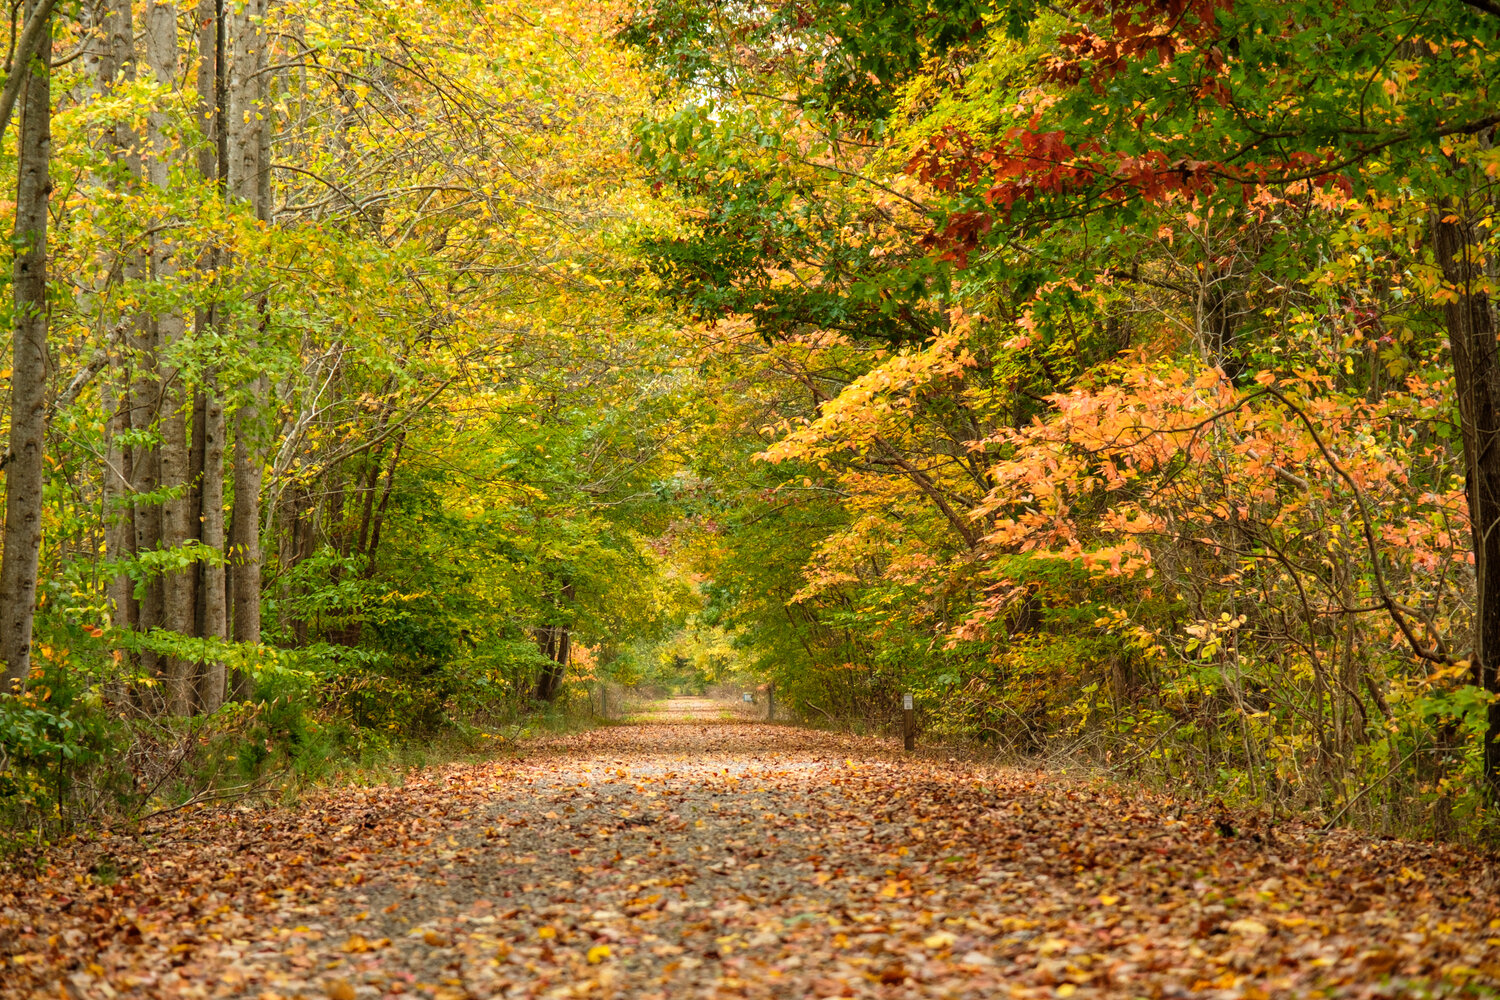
(26, 48)
(1482, 5)
(1392, 606)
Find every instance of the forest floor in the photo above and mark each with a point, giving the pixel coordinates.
(696, 854)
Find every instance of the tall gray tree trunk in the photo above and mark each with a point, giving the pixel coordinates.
(178, 604)
(243, 168)
(118, 533)
(28, 415)
(115, 64)
(143, 387)
(119, 524)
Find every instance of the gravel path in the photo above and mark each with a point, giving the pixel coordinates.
(700, 855)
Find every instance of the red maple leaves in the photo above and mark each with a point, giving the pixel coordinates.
(1028, 164)
(1081, 174)
(1160, 28)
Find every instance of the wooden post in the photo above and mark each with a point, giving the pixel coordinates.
(908, 722)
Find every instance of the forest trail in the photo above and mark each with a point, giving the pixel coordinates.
(696, 857)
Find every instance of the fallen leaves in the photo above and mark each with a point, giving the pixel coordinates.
(744, 861)
(358, 944)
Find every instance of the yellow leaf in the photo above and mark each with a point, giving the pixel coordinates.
(598, 953)
(359, 944)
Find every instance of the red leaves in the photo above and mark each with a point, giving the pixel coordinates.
(1150, 29)
(1029, 164)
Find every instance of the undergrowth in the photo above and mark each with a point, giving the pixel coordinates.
(82, 751)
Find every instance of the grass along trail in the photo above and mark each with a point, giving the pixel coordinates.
(690, 856)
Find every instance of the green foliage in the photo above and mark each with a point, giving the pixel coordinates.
(1087, 373)
(48, 735)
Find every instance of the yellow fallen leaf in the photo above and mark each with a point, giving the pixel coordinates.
(358, 944)
(598, 953)
(942, 939)
(1252, 928)
(547, 932)
(1108, 900)
(339, 989)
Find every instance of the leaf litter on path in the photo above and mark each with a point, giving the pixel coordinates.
(696, 857)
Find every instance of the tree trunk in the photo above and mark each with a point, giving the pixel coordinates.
(212, 680)
(209, 16)
(102, 63)
(143, 389)
(385, 503)
(243, 177)
(213, 619)
(119, 524)
(177, 585)
(1457, 239)
(28, 383)
(115, 64)
(195, 483)
(556, 643)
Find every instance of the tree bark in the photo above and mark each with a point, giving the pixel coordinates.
(36, 36)
(244, 124)
(119, 517)
(178, 604)
(556, 643)
(212, 680)
(142, 388)
(211, 429)
(116, 65)
(1470, 318)
(28, 415)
